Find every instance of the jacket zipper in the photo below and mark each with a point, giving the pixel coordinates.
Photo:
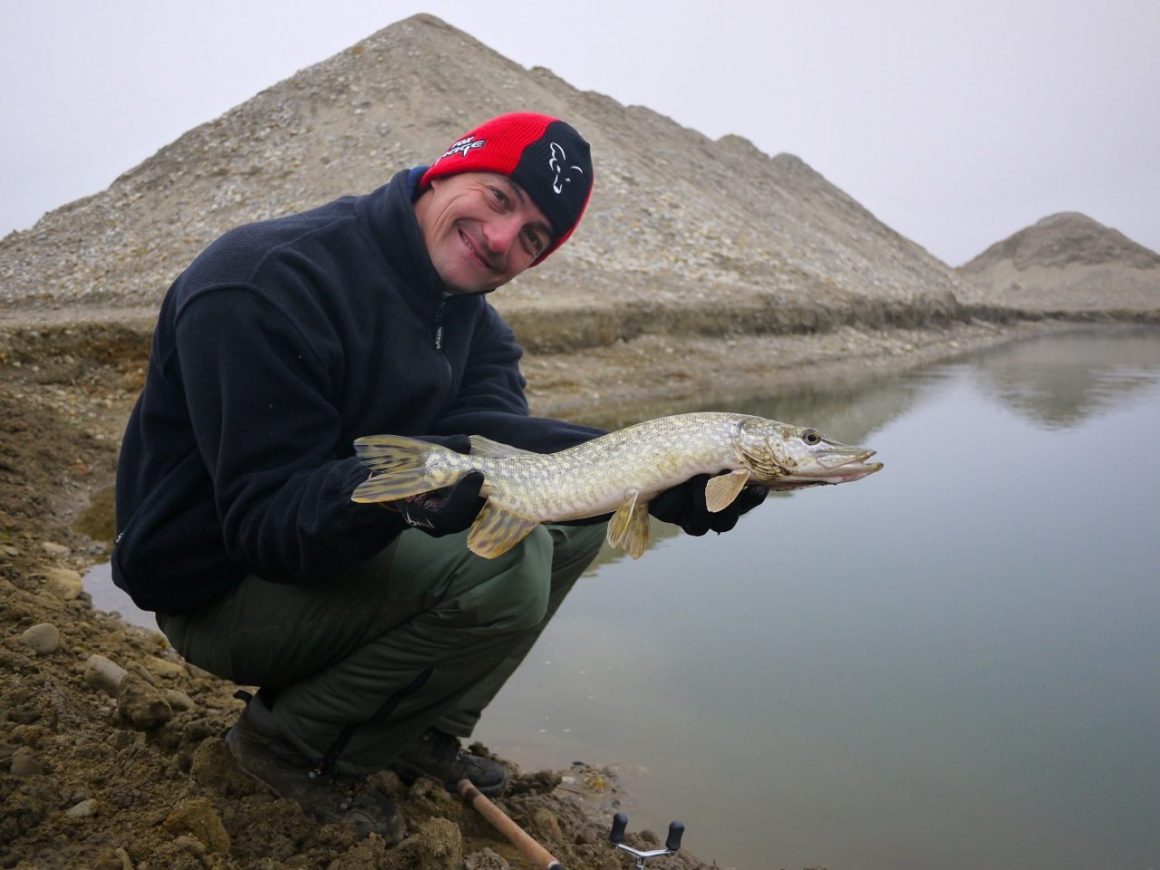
(439, 324)
(449, 373)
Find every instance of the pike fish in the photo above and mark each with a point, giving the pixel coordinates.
(617, 473)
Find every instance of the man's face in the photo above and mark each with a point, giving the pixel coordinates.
(481, 230)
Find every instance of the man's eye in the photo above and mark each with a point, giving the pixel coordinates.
(534, 243)
(500, 196)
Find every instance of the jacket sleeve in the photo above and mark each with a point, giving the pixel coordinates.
(269, 433)
(491, 400)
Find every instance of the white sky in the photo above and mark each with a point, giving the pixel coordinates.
(956, 123)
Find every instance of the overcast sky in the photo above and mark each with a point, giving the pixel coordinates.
(956, 123)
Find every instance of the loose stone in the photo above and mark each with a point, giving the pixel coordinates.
(197, 816)
(25, 763)
(64, 583)
(83, 810)
(165, 667)
(141, 705)
(43, 638)
(178, 700)
(102, 674)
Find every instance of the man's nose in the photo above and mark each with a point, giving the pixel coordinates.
(503, 232)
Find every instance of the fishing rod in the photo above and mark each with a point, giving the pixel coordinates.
(540, 857)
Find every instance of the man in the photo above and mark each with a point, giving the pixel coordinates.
(376, 636)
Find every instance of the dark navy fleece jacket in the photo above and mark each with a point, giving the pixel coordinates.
(279, 345)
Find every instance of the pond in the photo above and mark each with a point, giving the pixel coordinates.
(954, 663)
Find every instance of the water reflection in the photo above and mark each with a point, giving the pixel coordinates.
(1060, 381)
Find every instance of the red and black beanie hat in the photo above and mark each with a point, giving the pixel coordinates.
(543, 155)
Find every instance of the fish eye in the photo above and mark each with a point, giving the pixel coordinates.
(812, 437)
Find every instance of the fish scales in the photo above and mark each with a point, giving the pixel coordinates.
(617, 473)
(595, 477)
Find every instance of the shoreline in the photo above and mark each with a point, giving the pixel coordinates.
(621, 383)
(136, 774)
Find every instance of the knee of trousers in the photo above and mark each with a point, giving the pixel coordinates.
(515, 597)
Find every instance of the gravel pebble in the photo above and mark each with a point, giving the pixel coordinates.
(64, 583)
(83, 810)
(43, 638)
(178, 700)
(25, 763)
(103, 674)
(56, 551)
(141, 705)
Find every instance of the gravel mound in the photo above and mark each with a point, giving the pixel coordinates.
(1065, 262)
(677, 220)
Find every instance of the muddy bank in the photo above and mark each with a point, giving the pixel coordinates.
(111, 750)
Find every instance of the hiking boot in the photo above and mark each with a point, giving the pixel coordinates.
(265, 755)
(439, 756)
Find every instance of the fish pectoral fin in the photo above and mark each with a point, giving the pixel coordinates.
(721, 490)
(481, 446)
(629, 527)
(496, 530)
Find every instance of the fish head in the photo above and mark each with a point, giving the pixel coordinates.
(783, 456)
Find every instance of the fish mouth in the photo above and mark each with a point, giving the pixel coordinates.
(853, 470)
(840, 456)
(839, 464)
(847, 463)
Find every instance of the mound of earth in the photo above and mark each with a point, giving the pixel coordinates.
(1065, 262)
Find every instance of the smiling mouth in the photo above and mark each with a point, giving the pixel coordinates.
(477, 253)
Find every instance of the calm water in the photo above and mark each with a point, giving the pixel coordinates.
(952, 664)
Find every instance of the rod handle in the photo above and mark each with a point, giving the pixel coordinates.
(619, 823)
(676, 831)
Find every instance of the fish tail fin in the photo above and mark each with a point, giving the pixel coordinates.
(398, 468)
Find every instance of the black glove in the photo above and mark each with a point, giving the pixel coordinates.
(444, 511)
(684, 505)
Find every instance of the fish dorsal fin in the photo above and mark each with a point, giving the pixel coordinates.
(481, 446)
(629, 527)
(496, 530)
(721, 490)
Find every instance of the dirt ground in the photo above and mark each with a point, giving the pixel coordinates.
(111, 749)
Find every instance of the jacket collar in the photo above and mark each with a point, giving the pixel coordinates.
(389, 215)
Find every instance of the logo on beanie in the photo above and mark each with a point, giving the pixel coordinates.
(463, 146)
(556, 164)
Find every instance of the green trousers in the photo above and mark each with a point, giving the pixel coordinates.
(423, 634)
